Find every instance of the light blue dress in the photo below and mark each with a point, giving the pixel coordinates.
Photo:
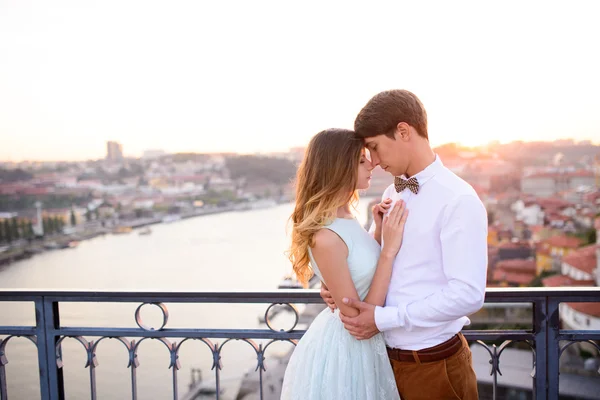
(329, 363)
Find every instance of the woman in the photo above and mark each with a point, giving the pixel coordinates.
(328, 363)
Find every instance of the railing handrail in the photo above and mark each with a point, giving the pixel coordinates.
(492, 294)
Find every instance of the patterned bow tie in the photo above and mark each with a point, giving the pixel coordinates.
(401, 184)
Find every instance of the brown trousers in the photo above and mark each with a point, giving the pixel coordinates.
(451, 379)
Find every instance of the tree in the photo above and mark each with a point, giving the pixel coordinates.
(73, 218)
(7, 231)
(14, 227)
(60, 224)
(23, 228)
(588, 236)
(51, 225)
(46, 225)
(537, 281)
(29, 230)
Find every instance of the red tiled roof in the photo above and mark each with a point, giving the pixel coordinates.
(592, 309)
(583, 259)
(512, 277)
(35, 191)
(558, 217)
(517, 265)
(542, 251)
(565, 280)
(592, 197)
(553, 202)
(564, 241)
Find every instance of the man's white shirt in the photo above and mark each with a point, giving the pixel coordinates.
(439, 274)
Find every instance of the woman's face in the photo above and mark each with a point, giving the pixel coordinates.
(364, 172)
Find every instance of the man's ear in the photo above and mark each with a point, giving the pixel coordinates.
(403, 131)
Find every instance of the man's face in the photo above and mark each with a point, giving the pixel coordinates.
(390, 154)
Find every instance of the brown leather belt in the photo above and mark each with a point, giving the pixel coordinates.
(431, 354)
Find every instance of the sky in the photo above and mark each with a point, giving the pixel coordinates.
(262, 76)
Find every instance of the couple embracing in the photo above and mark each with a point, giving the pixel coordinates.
(399, 294)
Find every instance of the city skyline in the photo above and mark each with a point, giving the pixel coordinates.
(266, 77)
(107, 154)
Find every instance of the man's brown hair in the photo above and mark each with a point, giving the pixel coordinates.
(386, 110)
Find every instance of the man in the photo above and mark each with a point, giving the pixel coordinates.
(439, 275)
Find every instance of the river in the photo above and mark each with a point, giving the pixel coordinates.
(233, 251)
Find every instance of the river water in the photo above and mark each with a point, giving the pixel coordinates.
(234, 251)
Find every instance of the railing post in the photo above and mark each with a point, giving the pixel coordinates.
(553, 349)
(42, 348)
(540, 330)
(51, 324)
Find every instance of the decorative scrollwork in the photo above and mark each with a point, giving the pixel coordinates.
(128, 345)
(495, 352)
(4, 342)
(140, 322)
(571, 342)
(88, 346)
(172, 347)
(211, 346)
(288, 305)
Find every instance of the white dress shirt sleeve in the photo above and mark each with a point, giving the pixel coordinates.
(463, 239)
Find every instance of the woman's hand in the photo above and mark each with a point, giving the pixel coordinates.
(393, 229)
(379, 211)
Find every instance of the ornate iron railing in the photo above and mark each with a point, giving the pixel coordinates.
(545, 338)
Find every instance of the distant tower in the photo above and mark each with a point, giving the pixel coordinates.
(114, 151)
(39, 227)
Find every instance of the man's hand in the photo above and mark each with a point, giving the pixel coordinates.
(327, 297)
(362, 326)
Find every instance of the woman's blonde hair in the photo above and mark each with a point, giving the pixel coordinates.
(326, 180)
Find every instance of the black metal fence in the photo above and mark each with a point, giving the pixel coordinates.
(546, 339)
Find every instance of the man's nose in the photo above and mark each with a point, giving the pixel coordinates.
(374, 160)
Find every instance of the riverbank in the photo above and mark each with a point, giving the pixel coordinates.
(24, 249)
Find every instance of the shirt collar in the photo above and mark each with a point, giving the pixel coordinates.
(429, 171)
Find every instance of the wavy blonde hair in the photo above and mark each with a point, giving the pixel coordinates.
(326, 180)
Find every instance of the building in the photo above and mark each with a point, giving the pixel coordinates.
(528, 211)
(515, 272)
(580, 264)
(546, 184)
(550, 252)
(114, 151)
(580, 267)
